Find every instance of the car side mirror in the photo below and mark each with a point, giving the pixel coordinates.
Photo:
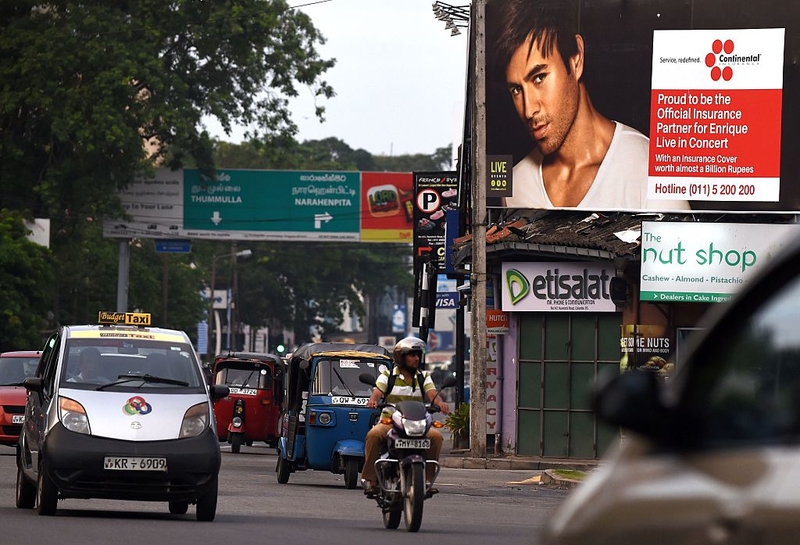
(33, 384)
(632, 401)
(219, 391)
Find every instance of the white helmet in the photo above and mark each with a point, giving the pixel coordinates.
(406, 345)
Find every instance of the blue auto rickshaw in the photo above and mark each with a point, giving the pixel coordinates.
(325, 418)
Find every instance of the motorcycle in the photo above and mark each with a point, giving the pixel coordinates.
(400, 468)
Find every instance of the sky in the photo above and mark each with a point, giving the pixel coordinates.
(399, 78)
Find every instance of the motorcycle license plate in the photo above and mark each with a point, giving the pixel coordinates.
(134, 463)
(412, 443)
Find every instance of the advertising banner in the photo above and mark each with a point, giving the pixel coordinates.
(435, 193)
(705, 262)
(556, 287)
(647, 348)
(387, 208)
(641, 106)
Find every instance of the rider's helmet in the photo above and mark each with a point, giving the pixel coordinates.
(406, 345)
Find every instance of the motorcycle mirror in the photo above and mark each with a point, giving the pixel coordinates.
(367, 378)
(449, 381)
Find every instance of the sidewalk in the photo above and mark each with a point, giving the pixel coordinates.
(462, 459)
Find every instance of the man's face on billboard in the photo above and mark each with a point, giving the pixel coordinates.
(544, 93)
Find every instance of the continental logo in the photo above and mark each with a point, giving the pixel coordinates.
(722, 58)
(126, 318)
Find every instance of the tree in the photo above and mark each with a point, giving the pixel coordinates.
(25, 278)
(87, 85)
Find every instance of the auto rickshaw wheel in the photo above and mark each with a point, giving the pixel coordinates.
(391, 519)
(351, 472)
(178, 507)
(282, 469)
(236, 442)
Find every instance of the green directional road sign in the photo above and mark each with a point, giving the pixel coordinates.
(312, 205)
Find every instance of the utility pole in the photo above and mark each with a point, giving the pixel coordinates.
(477, 379)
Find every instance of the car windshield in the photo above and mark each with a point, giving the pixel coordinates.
(339, 376)
(93, 363)
(14, 370)
(748, 386)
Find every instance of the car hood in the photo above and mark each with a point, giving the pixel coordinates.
(745, 496)
(13, 395)
(135, 416)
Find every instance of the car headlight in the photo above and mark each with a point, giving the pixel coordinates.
(195, 421)
(73, 416)
(415, 427)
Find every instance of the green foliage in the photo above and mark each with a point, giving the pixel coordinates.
(85, 83)
(25, 280)
(458, 420)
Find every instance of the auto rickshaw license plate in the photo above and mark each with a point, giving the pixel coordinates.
(412, 443)
(135, 463)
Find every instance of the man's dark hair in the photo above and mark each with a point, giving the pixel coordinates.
(550, 23)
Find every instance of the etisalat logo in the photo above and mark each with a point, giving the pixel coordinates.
(556, 286)
(721, 59)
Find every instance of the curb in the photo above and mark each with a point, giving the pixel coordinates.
(511, 462)
(551, 479)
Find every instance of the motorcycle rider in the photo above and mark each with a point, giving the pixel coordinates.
(407, 357)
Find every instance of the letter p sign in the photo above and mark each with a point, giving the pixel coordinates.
(428, 201)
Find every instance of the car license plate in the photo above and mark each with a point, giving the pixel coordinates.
(18, 419)
(412, 443)
(135, 463)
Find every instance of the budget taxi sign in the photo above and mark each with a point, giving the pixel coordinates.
(557, 287)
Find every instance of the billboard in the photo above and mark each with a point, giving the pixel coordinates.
(692, 262)
(283, 205)
(643, 106)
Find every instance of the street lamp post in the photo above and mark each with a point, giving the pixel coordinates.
(211, 313)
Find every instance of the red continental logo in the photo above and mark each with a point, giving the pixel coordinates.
(721, 59)
(717, 49)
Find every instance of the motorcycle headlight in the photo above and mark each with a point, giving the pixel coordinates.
(237, 422)
(73, 416)
(194, 421)
(415, 428)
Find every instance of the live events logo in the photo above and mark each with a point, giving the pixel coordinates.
(721, 58)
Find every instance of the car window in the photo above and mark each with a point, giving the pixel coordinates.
(48, 365)
(748, 388)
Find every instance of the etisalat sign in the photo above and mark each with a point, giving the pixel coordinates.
(557, 287)
(705, 262)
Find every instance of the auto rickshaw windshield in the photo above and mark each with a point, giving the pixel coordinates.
(250, 377)
(339, 376)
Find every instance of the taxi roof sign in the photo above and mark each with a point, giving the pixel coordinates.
(126, 318)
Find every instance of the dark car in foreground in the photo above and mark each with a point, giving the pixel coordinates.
(713, 454)
(14, 368)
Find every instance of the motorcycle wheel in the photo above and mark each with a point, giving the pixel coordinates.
(236, 442)
(282, 470)
(414, 496)
(391, 519)
(351, 473)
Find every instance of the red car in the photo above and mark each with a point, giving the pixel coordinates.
(14, 368)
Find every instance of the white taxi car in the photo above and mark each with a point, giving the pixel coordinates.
(119, 410)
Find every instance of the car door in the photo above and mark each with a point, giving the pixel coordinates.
(38, 402)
